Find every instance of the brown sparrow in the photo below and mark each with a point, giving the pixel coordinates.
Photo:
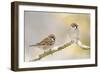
(47, 43)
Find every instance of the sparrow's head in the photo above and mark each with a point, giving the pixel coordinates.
(74, 25)
(52, 36)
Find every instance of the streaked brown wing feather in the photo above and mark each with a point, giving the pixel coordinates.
(46, 41)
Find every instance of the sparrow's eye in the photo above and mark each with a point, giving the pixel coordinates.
(52, 38)
(74, 25)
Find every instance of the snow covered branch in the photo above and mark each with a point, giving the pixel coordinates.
(59, 49)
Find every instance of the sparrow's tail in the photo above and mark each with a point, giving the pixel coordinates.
(32, 45)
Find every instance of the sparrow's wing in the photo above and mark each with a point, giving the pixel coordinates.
(46, 41)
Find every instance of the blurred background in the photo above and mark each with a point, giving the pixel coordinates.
(39, 25)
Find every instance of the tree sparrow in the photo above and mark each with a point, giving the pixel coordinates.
(74, 32)
(46, 44)
(75, 36)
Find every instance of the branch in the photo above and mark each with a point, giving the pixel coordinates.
(60, 48)
(82, 45)
(52, 51)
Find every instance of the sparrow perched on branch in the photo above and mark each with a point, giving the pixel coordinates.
(74, 32)
(46, 44)
(75, 36)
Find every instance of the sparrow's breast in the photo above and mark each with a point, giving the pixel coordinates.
(74, 34)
